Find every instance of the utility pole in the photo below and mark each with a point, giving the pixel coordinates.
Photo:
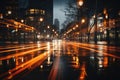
(95, 33)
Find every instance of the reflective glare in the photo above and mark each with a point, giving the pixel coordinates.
(38, 43)
(59, 59)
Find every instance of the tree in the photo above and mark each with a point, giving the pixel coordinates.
(71, 11)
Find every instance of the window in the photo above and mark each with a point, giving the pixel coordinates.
(31, 11)
(31, 18)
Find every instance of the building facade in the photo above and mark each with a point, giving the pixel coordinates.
(39, 13)
(9, 9)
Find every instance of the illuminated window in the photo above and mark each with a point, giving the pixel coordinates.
(31, 18)
(36, 11)
(31, 11)
(42, 12)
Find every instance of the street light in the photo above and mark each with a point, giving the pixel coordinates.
(9, 12)
(79, 13)
(41, 19)
(106, 23)
(95, 33)
(48, 33)
(80, 2)
(83, 21)
(22, 20)
(76, 25)
(41, 24)
(48, 27)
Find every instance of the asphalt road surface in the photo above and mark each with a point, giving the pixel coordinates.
(59, 60)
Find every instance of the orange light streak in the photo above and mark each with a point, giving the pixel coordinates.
(30, 63)
(21, 53)
(54, 70)
(92, 49)
(15, 46)
(83, 73)
(22, 48)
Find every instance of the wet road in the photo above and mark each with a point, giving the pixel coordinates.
(59, 60)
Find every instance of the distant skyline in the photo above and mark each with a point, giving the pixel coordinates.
(59, 6)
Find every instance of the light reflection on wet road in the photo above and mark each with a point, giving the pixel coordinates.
(59, 60)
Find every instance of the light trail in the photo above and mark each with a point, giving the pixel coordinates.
(23, 48)
(21, 53)
(17, 49)
(54, 70)
(56, 65)
(83, 72)
(13, 72)
(91, 49)
(28, 64)
(111, 48)
(72, 48)
(15, 46)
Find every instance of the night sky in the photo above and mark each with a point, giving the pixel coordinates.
(59, 6)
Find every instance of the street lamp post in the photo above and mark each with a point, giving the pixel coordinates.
(107, 26)
(79, 14)
(48, 33)
(79, 11)
(80, 2)
(41, 19)
(95, 33)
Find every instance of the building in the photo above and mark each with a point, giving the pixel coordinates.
(11, 18)
(9, 9)
(35, 17)
(57, 24)
(26, 10)
(39, 13)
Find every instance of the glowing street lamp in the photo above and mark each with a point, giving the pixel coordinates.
(83, 21)
(80, 2)
(41, 19)
(48, 27)
(79, 11)
(106, 16)
(53, 30)
(22, 20)
(95, 33)
(79, 14)
(9, 12)
(106, 23)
